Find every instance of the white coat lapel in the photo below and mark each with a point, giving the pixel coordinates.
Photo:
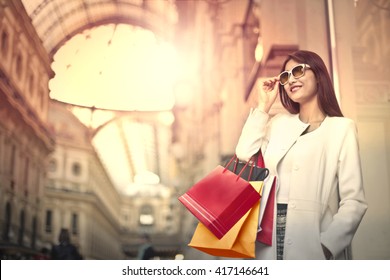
(283, 138)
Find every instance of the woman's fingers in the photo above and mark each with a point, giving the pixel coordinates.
(267, 93)
(269, 85)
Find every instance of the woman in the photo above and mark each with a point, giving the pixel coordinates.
(313, 153)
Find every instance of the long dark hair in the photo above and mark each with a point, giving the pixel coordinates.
(326, 95)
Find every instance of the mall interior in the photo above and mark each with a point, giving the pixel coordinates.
(110, 110)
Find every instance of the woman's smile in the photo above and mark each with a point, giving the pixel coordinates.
(295, 88)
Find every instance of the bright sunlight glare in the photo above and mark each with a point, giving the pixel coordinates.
(121, 67)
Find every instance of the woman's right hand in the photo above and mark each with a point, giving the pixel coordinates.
(267, 93)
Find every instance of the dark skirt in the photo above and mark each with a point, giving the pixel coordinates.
(280, 229)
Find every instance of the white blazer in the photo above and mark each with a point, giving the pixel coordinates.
(326, 199)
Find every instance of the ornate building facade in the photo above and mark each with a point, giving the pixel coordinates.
(79, 195)
(25, 140)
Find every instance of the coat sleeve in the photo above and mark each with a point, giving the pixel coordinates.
(352, 206)
(252, 137)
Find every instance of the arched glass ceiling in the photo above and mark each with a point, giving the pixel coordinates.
(115, 66)
(109, 54)
(109, 47)
(120, 67)
(58, 20)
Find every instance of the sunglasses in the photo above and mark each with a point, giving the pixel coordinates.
(297, 72)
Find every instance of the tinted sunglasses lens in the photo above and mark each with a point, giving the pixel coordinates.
(298, 71)
(283, 78)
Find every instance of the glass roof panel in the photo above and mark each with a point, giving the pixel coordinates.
(58, 20)
(120, 67)
(113, 66)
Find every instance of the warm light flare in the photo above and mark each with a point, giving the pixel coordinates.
(119, 67)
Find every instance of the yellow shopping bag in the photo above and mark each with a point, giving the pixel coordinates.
(238, 242)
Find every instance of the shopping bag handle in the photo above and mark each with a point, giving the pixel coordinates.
(259, 164)
(243, 169)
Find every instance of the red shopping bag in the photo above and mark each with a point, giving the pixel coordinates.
(267, 222)
(220, 200)
(239, 242)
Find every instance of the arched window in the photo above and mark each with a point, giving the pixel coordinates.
(76, 169)
(4, 43)
(19, 65)
(7, 222)
(13, 159)
(53, 165)
(42, 98)
(31, 84)
(48, 221)
(22, 221)
(75, 224)
(34, 233)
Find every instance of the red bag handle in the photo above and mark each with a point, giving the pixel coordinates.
(242, 170)
(260, 162)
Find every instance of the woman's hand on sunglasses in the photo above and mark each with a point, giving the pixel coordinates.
(267, 93)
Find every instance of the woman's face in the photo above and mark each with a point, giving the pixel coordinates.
(303, 89)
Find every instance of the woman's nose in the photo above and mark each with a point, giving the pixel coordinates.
(291, 78)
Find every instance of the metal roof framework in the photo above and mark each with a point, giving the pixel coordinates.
(57, 21)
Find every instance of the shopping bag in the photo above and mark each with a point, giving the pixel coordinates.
(238, 242)
(267, 220)
(255, 170)
(220, 200)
